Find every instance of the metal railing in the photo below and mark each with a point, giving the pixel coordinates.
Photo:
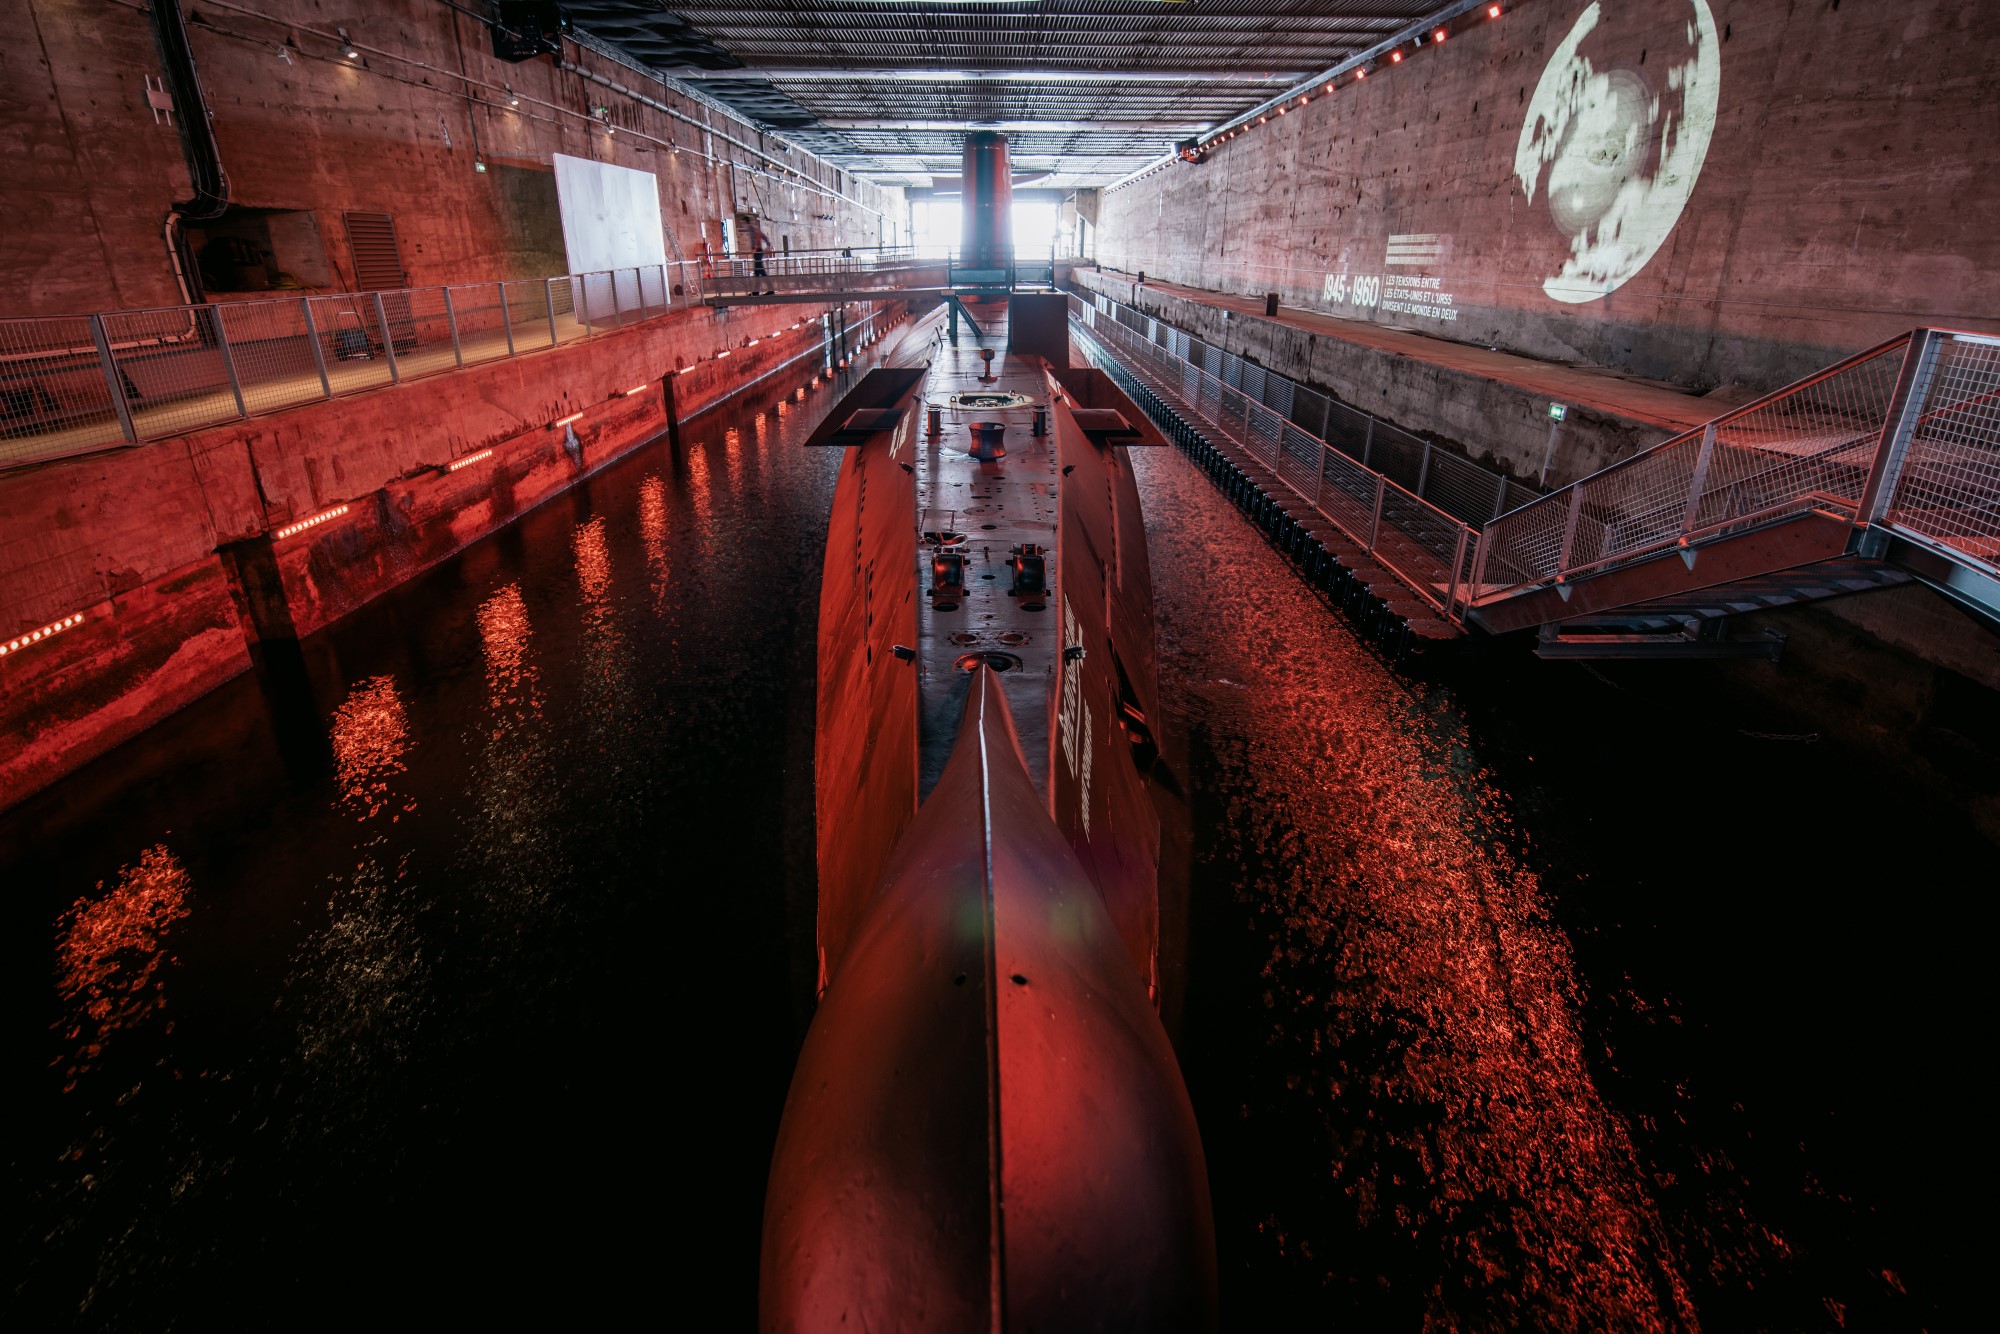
(1905, 435)
(1014, 274)
(1447, 480)
(774, 271)
(70, 384)
(1427, 548)
(1944, 458)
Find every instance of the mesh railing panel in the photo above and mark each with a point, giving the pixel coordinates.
(1809, 446)
(528, 313)
(1817, 440)
(272, 354)
(1457, 486)
(185, 367)
(1949, 488)
(1463, 488)
(481, 312)
(1423, 545)
(175, 361)
(350, 339)
(54, 397)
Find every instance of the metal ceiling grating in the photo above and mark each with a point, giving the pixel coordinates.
(1088, 89)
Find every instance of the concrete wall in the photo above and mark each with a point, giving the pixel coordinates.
(1500, 422)
(174, 554)
(1837, 195)
(92, 170)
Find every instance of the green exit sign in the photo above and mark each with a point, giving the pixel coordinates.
(1557, 412)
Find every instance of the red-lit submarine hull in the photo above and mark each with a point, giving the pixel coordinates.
(987, 1129)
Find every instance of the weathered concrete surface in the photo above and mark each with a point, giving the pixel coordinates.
(1844, 194)
(91, 172)
(1490, 406)
(130, 537)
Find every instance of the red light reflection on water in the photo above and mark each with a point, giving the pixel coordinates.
(732, 451)
(1422, 1034)
(653, 536)
(371, 733)
(109, 952)
(593, 561)
(503, 636)
(698, 485)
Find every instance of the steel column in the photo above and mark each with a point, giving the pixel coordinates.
(451, 318)
(114, 383)
(1569, 530)
(228, 361)
(1906, 406)
(319, 353)
(1699, 481)
(388, 339)
(506, 323)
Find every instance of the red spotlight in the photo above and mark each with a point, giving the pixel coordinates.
(1438, 36)
(1361, 74)
(1493, 11)
(1395, 57)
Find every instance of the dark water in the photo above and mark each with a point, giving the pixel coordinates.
(1521, 996)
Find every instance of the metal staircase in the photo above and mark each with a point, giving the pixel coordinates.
(1877, 470)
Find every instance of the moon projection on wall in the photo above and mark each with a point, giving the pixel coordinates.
(1616, 153)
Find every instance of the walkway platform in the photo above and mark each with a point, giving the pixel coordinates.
(1584, 387)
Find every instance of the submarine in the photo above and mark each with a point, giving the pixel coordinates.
(987, 1128)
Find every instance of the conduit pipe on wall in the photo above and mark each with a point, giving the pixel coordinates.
(198, 146)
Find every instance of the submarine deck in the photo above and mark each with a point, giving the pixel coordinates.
(998, 506)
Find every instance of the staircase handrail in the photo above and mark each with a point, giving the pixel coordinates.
(1521, 538)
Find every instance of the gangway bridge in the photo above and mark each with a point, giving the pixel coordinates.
(889, 274)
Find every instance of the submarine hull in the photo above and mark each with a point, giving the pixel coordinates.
(987, 1127)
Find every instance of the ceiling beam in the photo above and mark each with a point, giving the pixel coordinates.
(777, 73)
(1105, 126)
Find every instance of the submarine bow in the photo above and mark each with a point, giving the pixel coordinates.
(987, 1128)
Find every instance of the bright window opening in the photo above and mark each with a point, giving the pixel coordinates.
(936, 227)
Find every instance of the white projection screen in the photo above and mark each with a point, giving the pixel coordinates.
(611, 221)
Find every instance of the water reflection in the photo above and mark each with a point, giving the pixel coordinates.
(511, 789)
(699, 494)
(109, 956)
(370, 733)
(732, 452)
(605, 688)
(653, 535)
(1420, 1035)
(356, 995)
